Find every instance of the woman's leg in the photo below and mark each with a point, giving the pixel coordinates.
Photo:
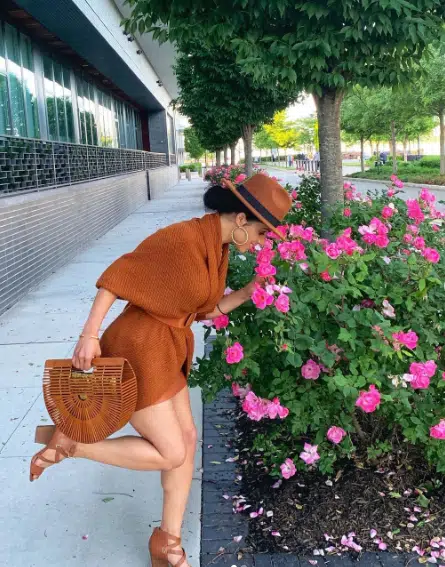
(176, 483)
(161, 447)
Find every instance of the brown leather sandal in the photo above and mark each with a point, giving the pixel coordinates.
(161, 545)
(63, 447)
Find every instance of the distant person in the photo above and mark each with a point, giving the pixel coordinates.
(317, 156)
(383, 157)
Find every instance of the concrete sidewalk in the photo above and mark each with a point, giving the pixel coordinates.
(43, 523)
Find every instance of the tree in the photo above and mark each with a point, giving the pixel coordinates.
(221, 102)
(432, 92)
(192, 143)
(282, 131)
(308, 132)
(413, 129)
(323, 47)
(361, 118)
(262, 140)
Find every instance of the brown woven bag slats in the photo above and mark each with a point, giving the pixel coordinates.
(90, 406)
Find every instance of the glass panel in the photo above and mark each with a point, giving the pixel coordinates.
(60, 102)
(93, 116)
(5, 122)
(30, 90)
(68, 103)
(50, 98)
(82, 111)
(138, 131)
(15, 81)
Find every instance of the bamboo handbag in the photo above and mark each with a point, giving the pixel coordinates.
(90, 406)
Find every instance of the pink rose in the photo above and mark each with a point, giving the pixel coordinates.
(414, 211)
(234, 354)
(408, 339)
(294, 195)
(274, 409)
(413, 228)
(265, 256)
(325, 276)
(431, 255)
(311, 370)
(288, 469)
(408, 238)
(391, 192)
(261, 298)
(335, 434)
(398, 183)
(264, 270)
(421, 373)
(438, 431)
(298, 250)
(333, 251)
(282, 303)
(387, 212)
(310, 455)
(347, 212)
(221, 322)
(240, 178)
(419, 243)
(349, 195)
(369, 401)
(381, 241)
(394, 177)
(427, 196)
(255, 407)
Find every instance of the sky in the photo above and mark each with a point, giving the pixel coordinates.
(302, 109)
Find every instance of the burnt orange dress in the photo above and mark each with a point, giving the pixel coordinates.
(174, 276)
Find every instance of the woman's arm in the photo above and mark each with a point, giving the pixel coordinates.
(88, 346)
(230, 302)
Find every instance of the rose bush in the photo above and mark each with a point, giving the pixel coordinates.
(346, 337)
(234, 173)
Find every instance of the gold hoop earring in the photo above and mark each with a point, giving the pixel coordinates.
(233, 236)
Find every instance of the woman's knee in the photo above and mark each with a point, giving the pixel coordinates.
(174, 457)
(190, 436)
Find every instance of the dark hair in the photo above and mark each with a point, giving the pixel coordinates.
(223, 201)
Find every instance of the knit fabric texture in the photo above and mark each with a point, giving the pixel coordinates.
(173, 273)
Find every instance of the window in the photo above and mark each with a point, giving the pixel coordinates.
(87, 112)
(18, 95)
(59, 110)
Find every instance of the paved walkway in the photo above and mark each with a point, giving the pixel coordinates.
(43, 523)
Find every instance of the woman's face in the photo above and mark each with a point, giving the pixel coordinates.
(252, 230)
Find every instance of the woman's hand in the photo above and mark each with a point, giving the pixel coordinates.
(250, 287)
(86, 349)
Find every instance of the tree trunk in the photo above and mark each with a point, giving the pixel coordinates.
(232, 153)
(218, 157)
(405, 150)
(362, 153)
(331, 174)
(394, 147)
(205, 158)
(377, 149)
(248, 130)
(371, 145)
(418, 145)
(442, 142)
(226, 155)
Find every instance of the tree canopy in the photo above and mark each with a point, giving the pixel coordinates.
(193, 144)
(323, 47)
(221, 102)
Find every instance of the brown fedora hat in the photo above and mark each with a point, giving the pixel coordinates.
(265, 197)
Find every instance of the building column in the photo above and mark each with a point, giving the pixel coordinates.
(157, 126)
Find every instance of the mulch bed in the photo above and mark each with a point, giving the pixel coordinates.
(402, 500)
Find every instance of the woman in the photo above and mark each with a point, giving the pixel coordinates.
(174, 277)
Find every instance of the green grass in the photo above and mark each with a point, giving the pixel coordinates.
(409, 172)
